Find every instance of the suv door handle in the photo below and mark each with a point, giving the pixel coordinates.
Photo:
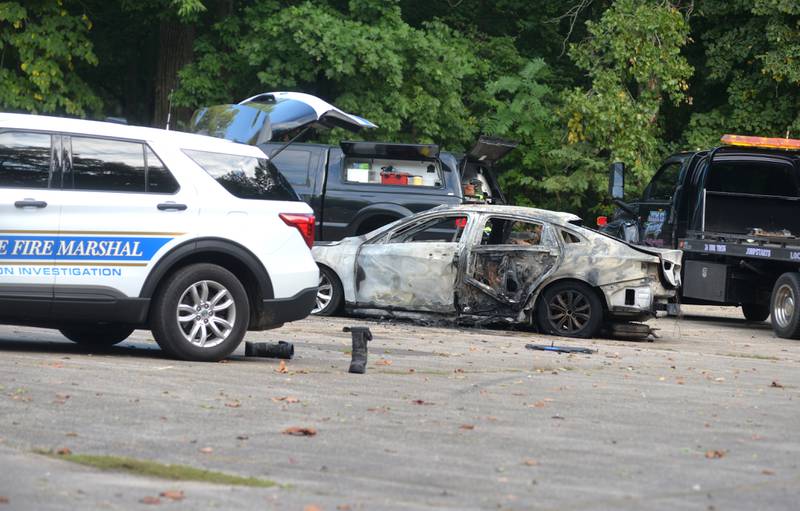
(171, 206)
(30, 203)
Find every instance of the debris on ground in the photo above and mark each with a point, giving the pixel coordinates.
(361, 335)
(299, 431)
(281, 349)
(559, 349)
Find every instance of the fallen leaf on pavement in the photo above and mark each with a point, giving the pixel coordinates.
(312, 507)
(383, 362)
(172, 494)
(242, 437)
(768, 472)
(467, 426)
(715, 454)
(288, 399)
(530, 462)
(421, 402)
(282, 367)
(64, 451)
(776, 385)
(233, 404)
(343, 507)
(299, 431)
(3, 500)
(70, 433)
(150, 500)
(537, 404)
(206, 450)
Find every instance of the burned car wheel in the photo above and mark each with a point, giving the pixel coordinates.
(329, 293)
(570, 309)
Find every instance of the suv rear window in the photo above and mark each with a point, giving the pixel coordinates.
(245, 177)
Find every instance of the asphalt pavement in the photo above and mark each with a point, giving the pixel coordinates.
(706, 417)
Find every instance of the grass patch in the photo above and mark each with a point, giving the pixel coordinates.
(160, 470)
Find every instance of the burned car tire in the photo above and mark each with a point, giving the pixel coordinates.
(785, 306)
(201, 313)
(569, 309)
(329, 293)
(97, 335)
(755, 311)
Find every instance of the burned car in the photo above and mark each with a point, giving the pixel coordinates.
(486, 263)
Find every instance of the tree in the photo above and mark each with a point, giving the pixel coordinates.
(417, 83)
(633, 59)
(750, 78)
(41, 42)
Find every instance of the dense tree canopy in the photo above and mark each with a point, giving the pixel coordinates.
(579, 83)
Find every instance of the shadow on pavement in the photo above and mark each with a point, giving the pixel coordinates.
(719, 320)
(124, 349)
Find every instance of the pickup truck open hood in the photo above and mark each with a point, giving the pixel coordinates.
(269, 116)
(489, 150)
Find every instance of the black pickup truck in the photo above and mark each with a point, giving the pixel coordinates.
(735, 212)
(357, 187)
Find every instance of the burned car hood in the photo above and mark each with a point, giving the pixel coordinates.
(270, 116)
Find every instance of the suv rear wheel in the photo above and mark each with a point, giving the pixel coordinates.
(107, 334)
(201, 313)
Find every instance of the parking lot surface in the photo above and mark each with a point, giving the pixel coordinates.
(706, 417)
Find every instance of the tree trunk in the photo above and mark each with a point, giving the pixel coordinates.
(175, 45)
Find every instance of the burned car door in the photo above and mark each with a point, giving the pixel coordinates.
(412, 267)
(506, 261)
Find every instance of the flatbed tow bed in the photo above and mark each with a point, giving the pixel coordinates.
(762, 248)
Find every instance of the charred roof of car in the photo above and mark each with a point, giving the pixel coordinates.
(553, 217)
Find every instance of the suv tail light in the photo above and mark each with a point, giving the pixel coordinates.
(303, 222)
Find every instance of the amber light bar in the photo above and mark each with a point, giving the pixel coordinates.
(765, 142)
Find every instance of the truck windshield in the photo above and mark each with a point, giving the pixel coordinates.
(245, 177)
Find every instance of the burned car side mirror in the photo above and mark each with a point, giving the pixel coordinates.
(616, 180)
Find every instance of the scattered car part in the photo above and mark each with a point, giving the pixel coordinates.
(280, 349)
(361, 335)
(632, 331)
(560, 349)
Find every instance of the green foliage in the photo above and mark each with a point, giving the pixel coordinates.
(633, 58)
(751, 50)
(40, 44)
(416, 83)
(578, 83)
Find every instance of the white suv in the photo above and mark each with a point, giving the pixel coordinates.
(105, 228)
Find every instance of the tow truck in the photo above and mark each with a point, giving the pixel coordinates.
(735, 212)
